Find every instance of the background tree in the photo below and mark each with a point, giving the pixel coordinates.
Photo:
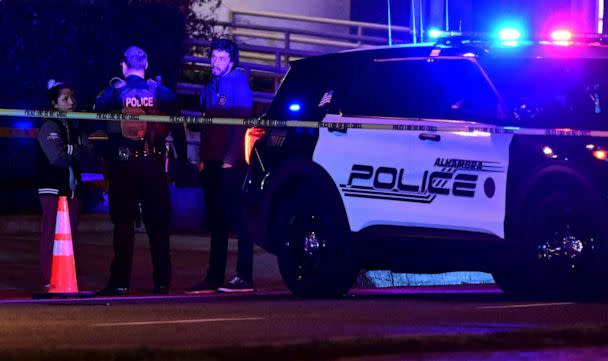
(201, 18)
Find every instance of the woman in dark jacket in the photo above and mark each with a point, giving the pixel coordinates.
(60, 148)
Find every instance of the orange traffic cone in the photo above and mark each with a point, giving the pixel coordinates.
(63, 270)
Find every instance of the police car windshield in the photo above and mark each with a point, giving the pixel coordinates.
(552, 93)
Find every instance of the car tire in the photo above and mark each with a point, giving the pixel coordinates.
(311, 234)
(514, 284)
(564, 249)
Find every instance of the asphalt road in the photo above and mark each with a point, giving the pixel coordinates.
(440, 318)
(383, 324)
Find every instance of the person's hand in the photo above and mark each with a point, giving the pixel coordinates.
(201, 166)
(226, 165)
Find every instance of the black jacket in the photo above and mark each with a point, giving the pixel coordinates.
(60, 149)
(110, 101)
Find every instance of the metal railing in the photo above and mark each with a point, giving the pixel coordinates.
(272, 60)
(360, 26)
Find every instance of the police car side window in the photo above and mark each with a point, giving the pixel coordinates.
(422, 88)
(554, 93)
(313, 84)
(592, 95)
(467, 91)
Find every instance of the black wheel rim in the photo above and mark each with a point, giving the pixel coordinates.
(566, 240)
(305, 245)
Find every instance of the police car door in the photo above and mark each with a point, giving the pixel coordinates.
(465, 160)
(430, 171)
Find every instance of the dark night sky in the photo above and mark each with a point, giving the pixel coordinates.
(81, 43)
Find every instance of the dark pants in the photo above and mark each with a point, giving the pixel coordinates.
(48, 203)
(133, 182)
(224, 211)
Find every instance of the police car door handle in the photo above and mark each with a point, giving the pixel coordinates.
(429, 136)
(339, 130)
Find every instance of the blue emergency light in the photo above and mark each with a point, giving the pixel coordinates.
(24, 124)
(295, 107)
(435, 33)
(509, 34)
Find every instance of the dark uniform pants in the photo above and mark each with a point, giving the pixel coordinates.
(223, 209)
(135, 181)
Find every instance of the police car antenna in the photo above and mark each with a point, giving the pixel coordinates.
(447, 15)
(390, 30)
(413, 21)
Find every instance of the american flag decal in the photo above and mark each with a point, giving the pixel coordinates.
(326, 98)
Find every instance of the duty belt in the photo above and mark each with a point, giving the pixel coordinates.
(156, 152)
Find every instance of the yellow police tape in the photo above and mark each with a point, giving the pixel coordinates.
(254, 122)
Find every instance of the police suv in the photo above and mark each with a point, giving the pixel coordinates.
(466, 155)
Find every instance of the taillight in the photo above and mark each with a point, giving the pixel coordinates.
(251, 136)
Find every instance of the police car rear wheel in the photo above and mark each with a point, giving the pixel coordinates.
(310, 230)
(565, 243)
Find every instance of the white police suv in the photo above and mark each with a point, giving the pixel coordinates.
(461, 155)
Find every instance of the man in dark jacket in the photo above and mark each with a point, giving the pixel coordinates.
(223, 167)
(136, 169)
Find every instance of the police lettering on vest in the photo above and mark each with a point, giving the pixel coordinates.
(137, 102)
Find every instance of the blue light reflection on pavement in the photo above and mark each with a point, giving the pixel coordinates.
(473, 328)
(566, 354)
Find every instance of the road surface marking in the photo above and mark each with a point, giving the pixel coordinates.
(528, 305)
(172, 322)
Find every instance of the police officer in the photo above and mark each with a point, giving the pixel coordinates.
(223, 168)
(136, 170)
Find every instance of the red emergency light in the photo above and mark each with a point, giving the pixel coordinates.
(561, 35)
